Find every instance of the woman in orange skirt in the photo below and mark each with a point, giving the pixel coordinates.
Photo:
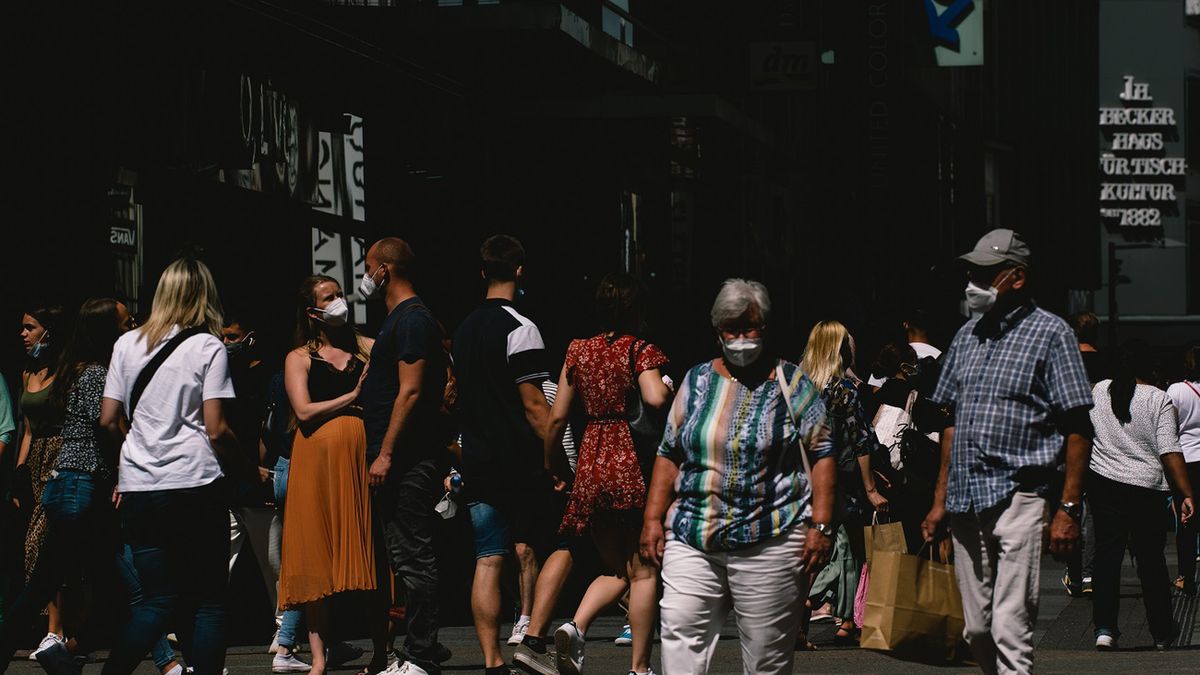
(327, 545)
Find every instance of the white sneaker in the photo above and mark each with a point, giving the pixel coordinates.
(47, 642)
(175, 670)
(568, 648)
(288, 663)
(1105, 643)
(518, 633)
(191, 671)
(410, 668)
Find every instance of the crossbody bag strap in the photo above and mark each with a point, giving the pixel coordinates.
(787, 402)
(147, 374)
(1192, 387)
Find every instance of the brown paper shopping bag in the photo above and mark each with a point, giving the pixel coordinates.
(884, 537)
(912, 604)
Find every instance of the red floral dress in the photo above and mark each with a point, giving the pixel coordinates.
(607, 476)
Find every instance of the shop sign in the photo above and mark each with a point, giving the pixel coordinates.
(125, 237)
(956, 27)
(783, 66)
(1137, 182)
(280, 150)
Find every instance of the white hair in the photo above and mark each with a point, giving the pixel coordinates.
(738, 296)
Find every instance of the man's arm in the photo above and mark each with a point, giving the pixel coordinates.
(410, 375)
(937, 514)
(1064, 530)
(537, 411)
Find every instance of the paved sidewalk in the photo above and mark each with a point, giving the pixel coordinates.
(1063, 635)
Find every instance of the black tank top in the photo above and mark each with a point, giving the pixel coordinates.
(326, 383)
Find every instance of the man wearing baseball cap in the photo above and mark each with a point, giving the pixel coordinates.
(1020, 398)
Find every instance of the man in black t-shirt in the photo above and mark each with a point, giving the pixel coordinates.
(500, 363)
(401, 400)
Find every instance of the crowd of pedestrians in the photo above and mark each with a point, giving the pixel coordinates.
(744, 489)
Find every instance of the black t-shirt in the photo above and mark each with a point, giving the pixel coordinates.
(409, 334)
(245, 414)
(496, 349)
(249, 406)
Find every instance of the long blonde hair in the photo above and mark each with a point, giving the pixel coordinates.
(823, 360)
(186, 296)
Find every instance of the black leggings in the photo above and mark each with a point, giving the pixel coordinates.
(1185, 535)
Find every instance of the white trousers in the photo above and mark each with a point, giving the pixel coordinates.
(997, 559)
(762, 585)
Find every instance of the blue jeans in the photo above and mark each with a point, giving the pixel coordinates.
(179, 540)
(81, 542)
(289, 622)
(161, 650)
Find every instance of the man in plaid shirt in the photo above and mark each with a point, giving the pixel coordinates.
(1020, 397)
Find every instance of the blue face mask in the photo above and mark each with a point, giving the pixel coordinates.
(40, 346)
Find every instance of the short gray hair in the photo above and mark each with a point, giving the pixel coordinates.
(736, 297)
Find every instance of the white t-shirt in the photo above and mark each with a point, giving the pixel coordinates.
(167, 447)
(922, 349)
(1129, 453)
(1187, 404)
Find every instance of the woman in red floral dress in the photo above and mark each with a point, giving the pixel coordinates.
(609, 492)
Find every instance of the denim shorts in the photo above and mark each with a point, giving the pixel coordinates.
(497, 529)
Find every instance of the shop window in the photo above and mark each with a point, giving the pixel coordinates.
(613, 20)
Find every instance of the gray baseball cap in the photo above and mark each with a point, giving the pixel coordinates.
(997, 247)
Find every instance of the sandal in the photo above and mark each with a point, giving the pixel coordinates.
(845, 637)
(803, 644)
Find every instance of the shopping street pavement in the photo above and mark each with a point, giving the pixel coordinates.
(1063, 636)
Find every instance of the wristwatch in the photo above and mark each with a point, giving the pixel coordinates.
(1073, 509)
(824, 528)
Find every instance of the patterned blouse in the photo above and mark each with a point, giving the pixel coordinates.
(80, 447)
(741, 480)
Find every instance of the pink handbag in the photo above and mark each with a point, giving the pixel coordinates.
(860, 597)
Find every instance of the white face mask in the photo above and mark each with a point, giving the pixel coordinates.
(981, 300)
(336, 312)
(742, 351)
(367, 288)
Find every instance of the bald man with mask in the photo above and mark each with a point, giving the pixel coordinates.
(401, 399)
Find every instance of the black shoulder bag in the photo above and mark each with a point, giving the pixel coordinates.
(147, 374)
(646, 425)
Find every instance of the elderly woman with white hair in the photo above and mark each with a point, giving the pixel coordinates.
(746, 468)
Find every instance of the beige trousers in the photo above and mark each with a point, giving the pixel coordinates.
(997, 559)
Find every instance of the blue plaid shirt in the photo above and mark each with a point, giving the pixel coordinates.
(1008, 385)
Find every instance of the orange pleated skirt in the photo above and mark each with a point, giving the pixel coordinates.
(327, 545)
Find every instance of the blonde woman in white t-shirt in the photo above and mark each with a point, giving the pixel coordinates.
(173, 513)
(1185, 395)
